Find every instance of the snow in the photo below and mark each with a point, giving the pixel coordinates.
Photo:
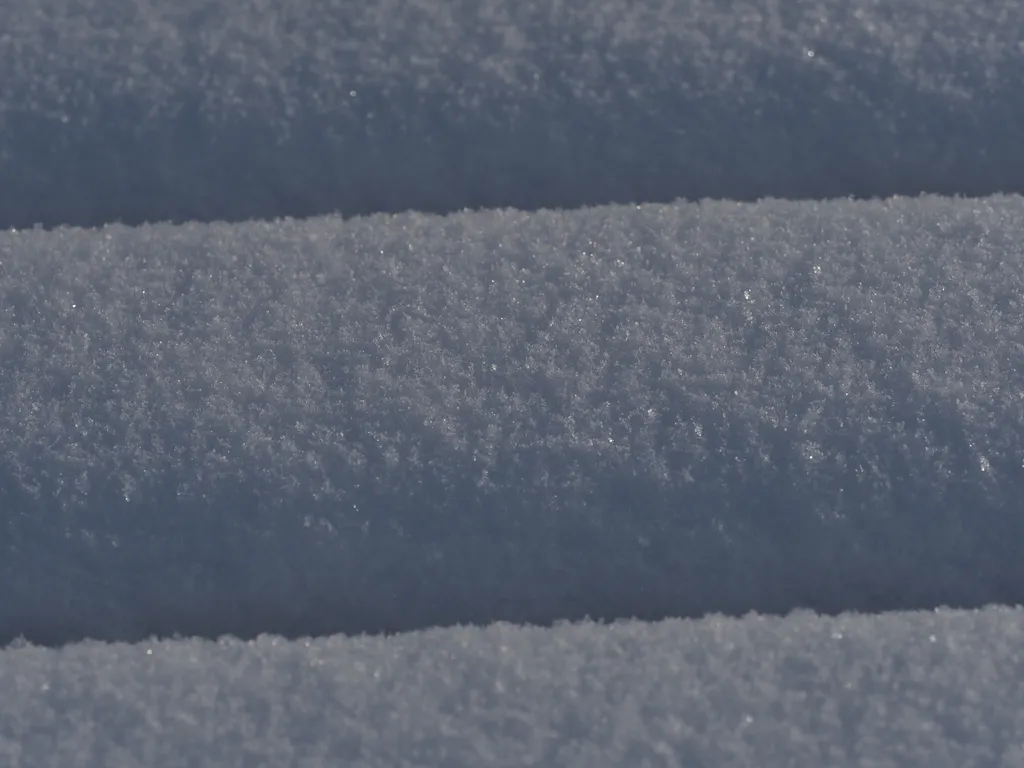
(511, 383)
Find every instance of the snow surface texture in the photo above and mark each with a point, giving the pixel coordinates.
(899, 690)
(400, 423)
(203, 109)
